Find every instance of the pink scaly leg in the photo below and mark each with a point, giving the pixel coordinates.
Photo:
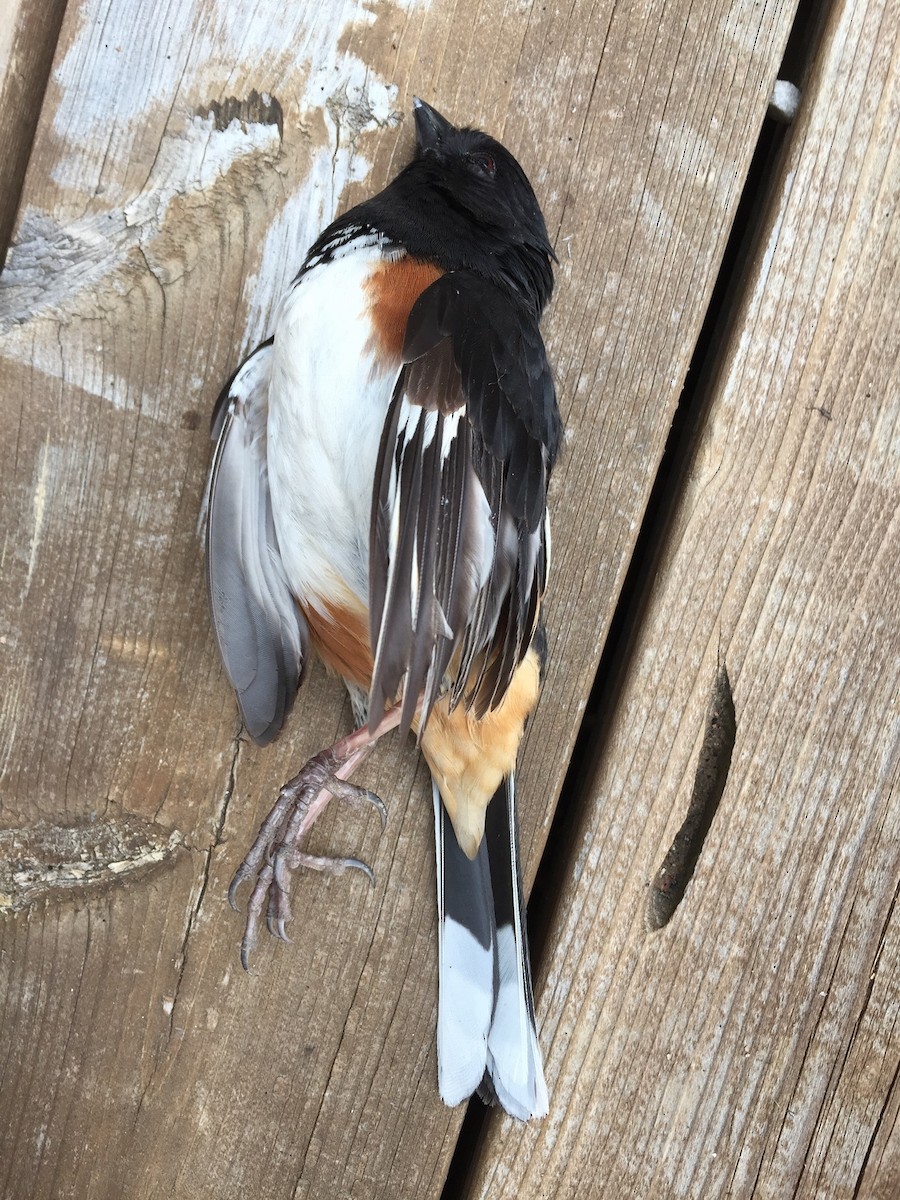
(277, 852)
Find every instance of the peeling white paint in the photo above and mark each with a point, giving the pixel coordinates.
(144, 92)
(194, 160)
(140, 860)
(142, 66)
(352, 101)
(38, 509)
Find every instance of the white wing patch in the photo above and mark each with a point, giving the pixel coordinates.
(438, 545)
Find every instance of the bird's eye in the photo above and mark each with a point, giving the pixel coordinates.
(484, 164)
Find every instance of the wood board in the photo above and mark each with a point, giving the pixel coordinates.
(28, 34)
(156, 231)
(752, 1047)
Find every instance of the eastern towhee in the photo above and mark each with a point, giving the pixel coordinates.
(378, 497)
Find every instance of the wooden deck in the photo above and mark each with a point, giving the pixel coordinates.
(180, 157)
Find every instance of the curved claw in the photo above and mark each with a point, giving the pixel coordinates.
(275, 926)
(354, 795)
(380, 807)
(357, 864)
(241, 874)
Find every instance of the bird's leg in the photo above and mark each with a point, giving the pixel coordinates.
(277, 852)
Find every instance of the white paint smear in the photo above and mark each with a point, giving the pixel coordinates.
(360, 103)
(140, 60)
(169, 68)
(39, 509)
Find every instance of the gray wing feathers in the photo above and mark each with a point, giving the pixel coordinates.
(260, 631)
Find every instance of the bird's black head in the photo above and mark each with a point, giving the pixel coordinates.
(483, 198)
(465, 203)
(473, 171)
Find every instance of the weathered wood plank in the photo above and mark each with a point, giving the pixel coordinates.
(752, 1048)
(28, 33)
(155, 234)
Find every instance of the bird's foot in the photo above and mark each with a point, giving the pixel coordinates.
(277, 851)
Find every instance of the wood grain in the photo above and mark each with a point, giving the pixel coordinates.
(28, 33)
(161, 218)
(752, 1048)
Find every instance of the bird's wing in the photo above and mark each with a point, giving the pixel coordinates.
(459, 537)
(261, 634)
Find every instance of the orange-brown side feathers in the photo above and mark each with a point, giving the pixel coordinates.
(394, 287)
(339, 632)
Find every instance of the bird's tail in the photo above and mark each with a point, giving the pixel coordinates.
(486, 1038)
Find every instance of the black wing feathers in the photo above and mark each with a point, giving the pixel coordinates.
(458, 552)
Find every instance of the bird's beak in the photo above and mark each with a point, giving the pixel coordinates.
(431, 127)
